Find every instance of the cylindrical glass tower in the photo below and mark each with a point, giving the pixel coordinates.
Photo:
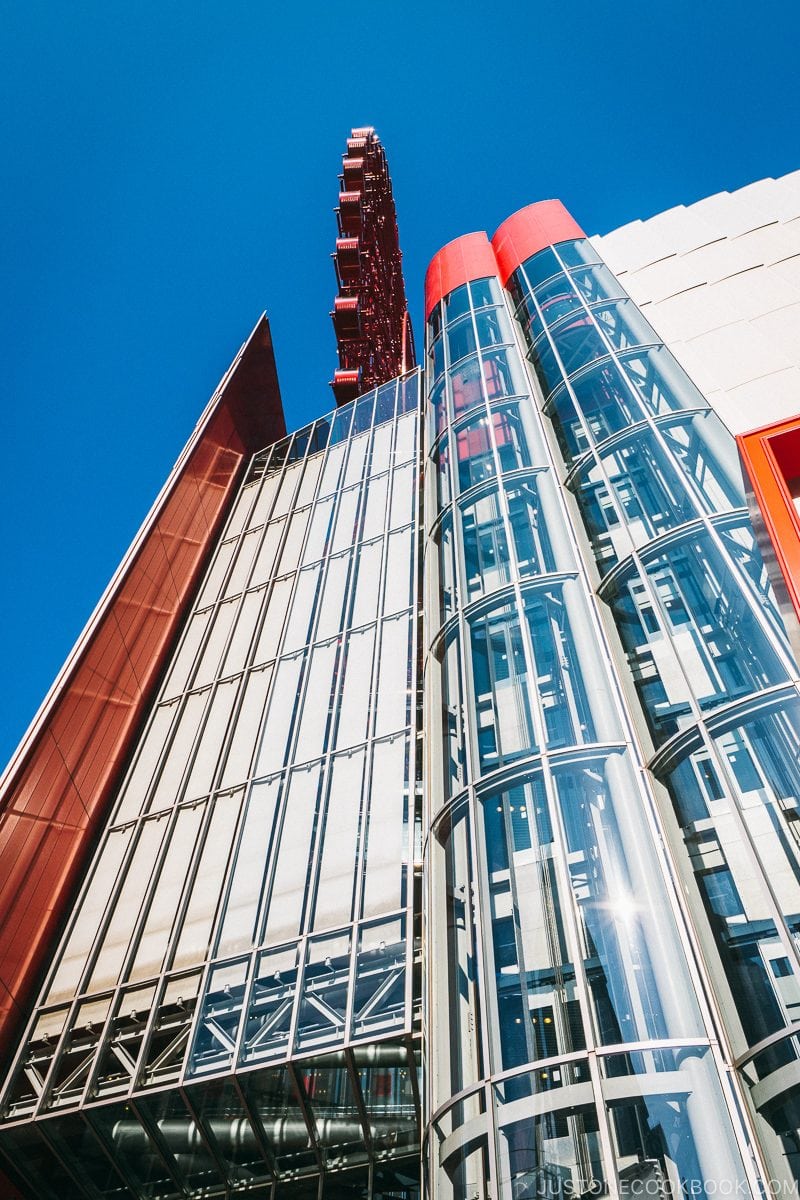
(605, 671)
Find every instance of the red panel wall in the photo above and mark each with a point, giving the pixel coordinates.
(59, 785)
(771, 459)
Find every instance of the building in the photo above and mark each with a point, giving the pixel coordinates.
(425, 787)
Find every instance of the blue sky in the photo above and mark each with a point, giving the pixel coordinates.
(169, 171)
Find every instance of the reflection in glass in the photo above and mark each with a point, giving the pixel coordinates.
(639, 985)
(465, 382)
(559, 679)
(537, 1006)
(555, 1150)
(500, 679)
(528, 528)
(693, 612)
(670, 1126)
(486, 557)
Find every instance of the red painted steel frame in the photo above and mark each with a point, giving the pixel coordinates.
(56, 791)
(473, 256)
(771, 459)
(370, 316)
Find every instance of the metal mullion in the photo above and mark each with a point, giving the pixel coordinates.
(255, 1124)
(91, 958)
(414, 748)
(163, 855)
(355, 1087)
(297, 998)
(307, 1114)
(208, 1142)
(248, 993)
(151, 1131)
(570, 917)
(371, 733)
(81, 1182)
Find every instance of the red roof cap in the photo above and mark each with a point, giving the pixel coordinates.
(530, 230)
(468, 257)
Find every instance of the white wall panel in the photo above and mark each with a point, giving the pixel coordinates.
(336, 878)
(405, 445)
(272, 628)
(242, 640)
(288, 891)
(272, 751)
(302, 608)
(386, 847)
(375, 515)
(330, 616)
(345, 530)
(237, 927)
(215, 731)
(365, 604)
(393, 677)
(315, 703)
(196, 926)
(381, 449)
(264, 566)
(211, 654)
(354, 703)
(246, 727)
(743, 359)
(262, 509)
(185, 658)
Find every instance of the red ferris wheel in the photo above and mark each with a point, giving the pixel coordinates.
(370, 313)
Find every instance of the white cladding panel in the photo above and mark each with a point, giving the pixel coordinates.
(719, 280)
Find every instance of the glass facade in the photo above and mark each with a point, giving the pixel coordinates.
(232, 1005)
(567, 953)
(651, 471)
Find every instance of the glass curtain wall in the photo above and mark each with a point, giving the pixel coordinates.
(712, 680)
(567, 1052)
(232, 1001)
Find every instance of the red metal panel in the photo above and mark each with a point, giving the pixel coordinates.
(771, 459)
(468, 257)
(528, 231)
(56, 791)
